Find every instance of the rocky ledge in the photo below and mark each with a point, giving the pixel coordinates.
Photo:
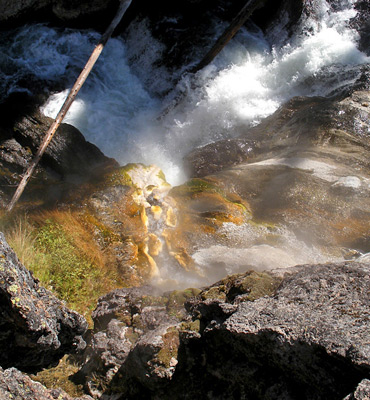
(294, 333)
(36, 328)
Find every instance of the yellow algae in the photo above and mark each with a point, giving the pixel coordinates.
(153, 265)
(171, 219)
(155, 245)
(13, 288)
(144, 217)
(157, 212)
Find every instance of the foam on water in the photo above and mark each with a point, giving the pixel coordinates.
(248, 81)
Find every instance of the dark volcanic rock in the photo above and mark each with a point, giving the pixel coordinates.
(36, 328)
(130, 323)
(309, 340)
(222, 154)
(299, 124)
(362, 24)
(68, 161)
(85, 12)
(15, 385)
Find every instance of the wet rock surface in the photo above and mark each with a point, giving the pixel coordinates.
(16, 12)
(317, 320)
(312, 165)
(37, 329)
(15, 385)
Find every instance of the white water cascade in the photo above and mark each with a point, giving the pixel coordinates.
(248, 81)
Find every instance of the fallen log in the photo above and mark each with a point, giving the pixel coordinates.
(243, 15)
(237, 22)
(124, 4)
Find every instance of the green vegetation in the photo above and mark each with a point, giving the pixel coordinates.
(195, 185)
(57, 377)
(64, 257)
(73, 277)
(250, 286)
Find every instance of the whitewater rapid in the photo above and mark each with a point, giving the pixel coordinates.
(248, 81)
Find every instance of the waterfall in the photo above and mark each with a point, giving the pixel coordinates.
(248, 81)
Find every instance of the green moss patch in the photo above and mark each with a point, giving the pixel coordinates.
(249, 287)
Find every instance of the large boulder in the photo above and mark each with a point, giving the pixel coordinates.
(37, 329)
(307, 171)
(69, 160)
(309, 338)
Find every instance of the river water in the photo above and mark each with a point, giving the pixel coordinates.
(248, 81)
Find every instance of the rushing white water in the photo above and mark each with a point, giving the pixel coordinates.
(248, 81)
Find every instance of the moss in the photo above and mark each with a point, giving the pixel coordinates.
(258, 284)
(58, 377)
(249, 286)
(193, 186)
(215, 293)
(148, 301)
(193, 326)
(162, 176)
(169, 348)
(177, 299)
(132, 336)
(120, 176)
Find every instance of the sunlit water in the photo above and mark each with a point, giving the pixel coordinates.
(248, 81)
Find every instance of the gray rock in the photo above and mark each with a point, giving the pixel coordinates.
(362, 391)
(15, 385)
(124, 319)
(36, 328)
(309, 340)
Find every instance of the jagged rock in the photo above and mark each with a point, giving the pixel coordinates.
(362, 24)
(307, 338)
(66, 10)
(310, 340)
(36, 328)
(68, 161)
(318, 321)
(362, 391)
(15, 385)
(132, 328)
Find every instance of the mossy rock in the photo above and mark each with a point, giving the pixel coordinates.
(169, 350)
(249, 286)
(177, 299)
